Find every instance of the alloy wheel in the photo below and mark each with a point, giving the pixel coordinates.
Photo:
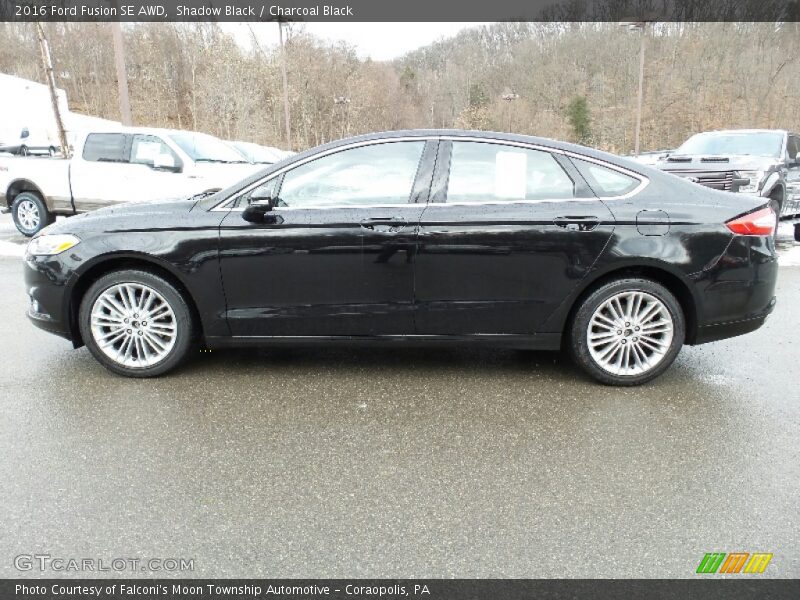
(28, 215)
(133, 325)
(630, 333)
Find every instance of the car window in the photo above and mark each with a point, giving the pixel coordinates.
(368, 175)
(105, 147)
(605, 181)
(481, 172)
(265, 189)
(145, 149)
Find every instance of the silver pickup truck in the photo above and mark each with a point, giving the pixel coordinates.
(111, 167)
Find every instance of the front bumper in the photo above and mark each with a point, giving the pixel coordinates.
(46, 280)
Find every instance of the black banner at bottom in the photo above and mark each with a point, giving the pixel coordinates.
(396, 589)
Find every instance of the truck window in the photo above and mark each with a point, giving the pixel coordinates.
(145, 148)
(105, 147)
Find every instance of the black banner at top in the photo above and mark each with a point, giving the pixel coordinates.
(398, 11)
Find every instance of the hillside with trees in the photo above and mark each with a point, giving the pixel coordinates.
(574, 81)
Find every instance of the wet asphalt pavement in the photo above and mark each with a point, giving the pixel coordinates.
(390, 463)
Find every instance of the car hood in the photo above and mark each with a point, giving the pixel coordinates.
(706, 162)
(166, 213)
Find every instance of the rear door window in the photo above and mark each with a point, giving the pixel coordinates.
(490, 172)
(106, 147)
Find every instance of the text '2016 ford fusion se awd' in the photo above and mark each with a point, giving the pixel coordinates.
(417, 237)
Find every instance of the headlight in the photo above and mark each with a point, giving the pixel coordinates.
(50, 245)
(755, 178)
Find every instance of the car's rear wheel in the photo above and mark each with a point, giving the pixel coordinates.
(627, 332)
(136, 323)
(30, 213)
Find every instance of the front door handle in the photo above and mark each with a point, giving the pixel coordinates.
(577, 223)
(392, 224)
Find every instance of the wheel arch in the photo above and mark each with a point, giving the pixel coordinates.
(117, 262)
(16, 187)
(674, 282)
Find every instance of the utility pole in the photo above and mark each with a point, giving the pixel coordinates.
(47, 64)
(122, 75)
(286, 116)
(643, 29)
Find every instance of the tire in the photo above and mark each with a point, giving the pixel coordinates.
(776, 204)
(151, 307)
(51, 151)
(30, 213)
(645, 359)
(23, 151)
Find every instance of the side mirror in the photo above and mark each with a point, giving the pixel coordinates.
(257, 212)
(166, 162)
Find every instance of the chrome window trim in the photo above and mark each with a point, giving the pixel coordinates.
(643, 180)
(222, 208)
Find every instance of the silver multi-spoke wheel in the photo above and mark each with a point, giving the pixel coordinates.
(28, 215)
(630, 333)
(133, 325)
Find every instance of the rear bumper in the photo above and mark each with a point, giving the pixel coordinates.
(738, 292)
(721, 331)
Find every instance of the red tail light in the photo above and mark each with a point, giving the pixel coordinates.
(760, 222)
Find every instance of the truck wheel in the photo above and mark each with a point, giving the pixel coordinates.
(776, 204)
(30, 213)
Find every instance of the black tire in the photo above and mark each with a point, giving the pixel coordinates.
(579, 330)
(20, 211)
(184, 323)
(776, 204)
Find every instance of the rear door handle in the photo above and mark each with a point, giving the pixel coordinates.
(577, 223)
(392, 224)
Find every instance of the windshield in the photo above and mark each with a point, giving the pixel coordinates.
(754, 144)
(255, 153)
(205, 148)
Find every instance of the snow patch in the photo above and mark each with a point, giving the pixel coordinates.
(790, 257)
(11, 249)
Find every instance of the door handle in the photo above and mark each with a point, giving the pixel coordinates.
(392, 224)
(577, 223)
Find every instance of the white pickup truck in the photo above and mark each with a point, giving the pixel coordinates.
(111, 167)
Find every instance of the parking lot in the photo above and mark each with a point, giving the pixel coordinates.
(401, 463)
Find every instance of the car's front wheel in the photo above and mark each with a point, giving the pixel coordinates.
(136, 323)
(627, 332)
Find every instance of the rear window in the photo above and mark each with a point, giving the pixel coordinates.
(605, 181)
(105, 147)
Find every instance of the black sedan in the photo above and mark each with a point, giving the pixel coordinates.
(417, 237)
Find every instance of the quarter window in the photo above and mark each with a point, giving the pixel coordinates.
(605, 181)
(105, 147)
(368, 175)
(481, 172)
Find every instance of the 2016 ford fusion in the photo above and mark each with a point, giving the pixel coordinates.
(417, 237)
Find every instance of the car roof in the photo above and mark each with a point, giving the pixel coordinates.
(466, 133)
(743, 131)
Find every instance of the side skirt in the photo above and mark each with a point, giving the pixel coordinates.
(541, 341)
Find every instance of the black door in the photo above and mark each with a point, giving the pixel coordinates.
(509, 232)
(338, 259)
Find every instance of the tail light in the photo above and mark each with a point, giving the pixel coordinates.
(760, 222)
